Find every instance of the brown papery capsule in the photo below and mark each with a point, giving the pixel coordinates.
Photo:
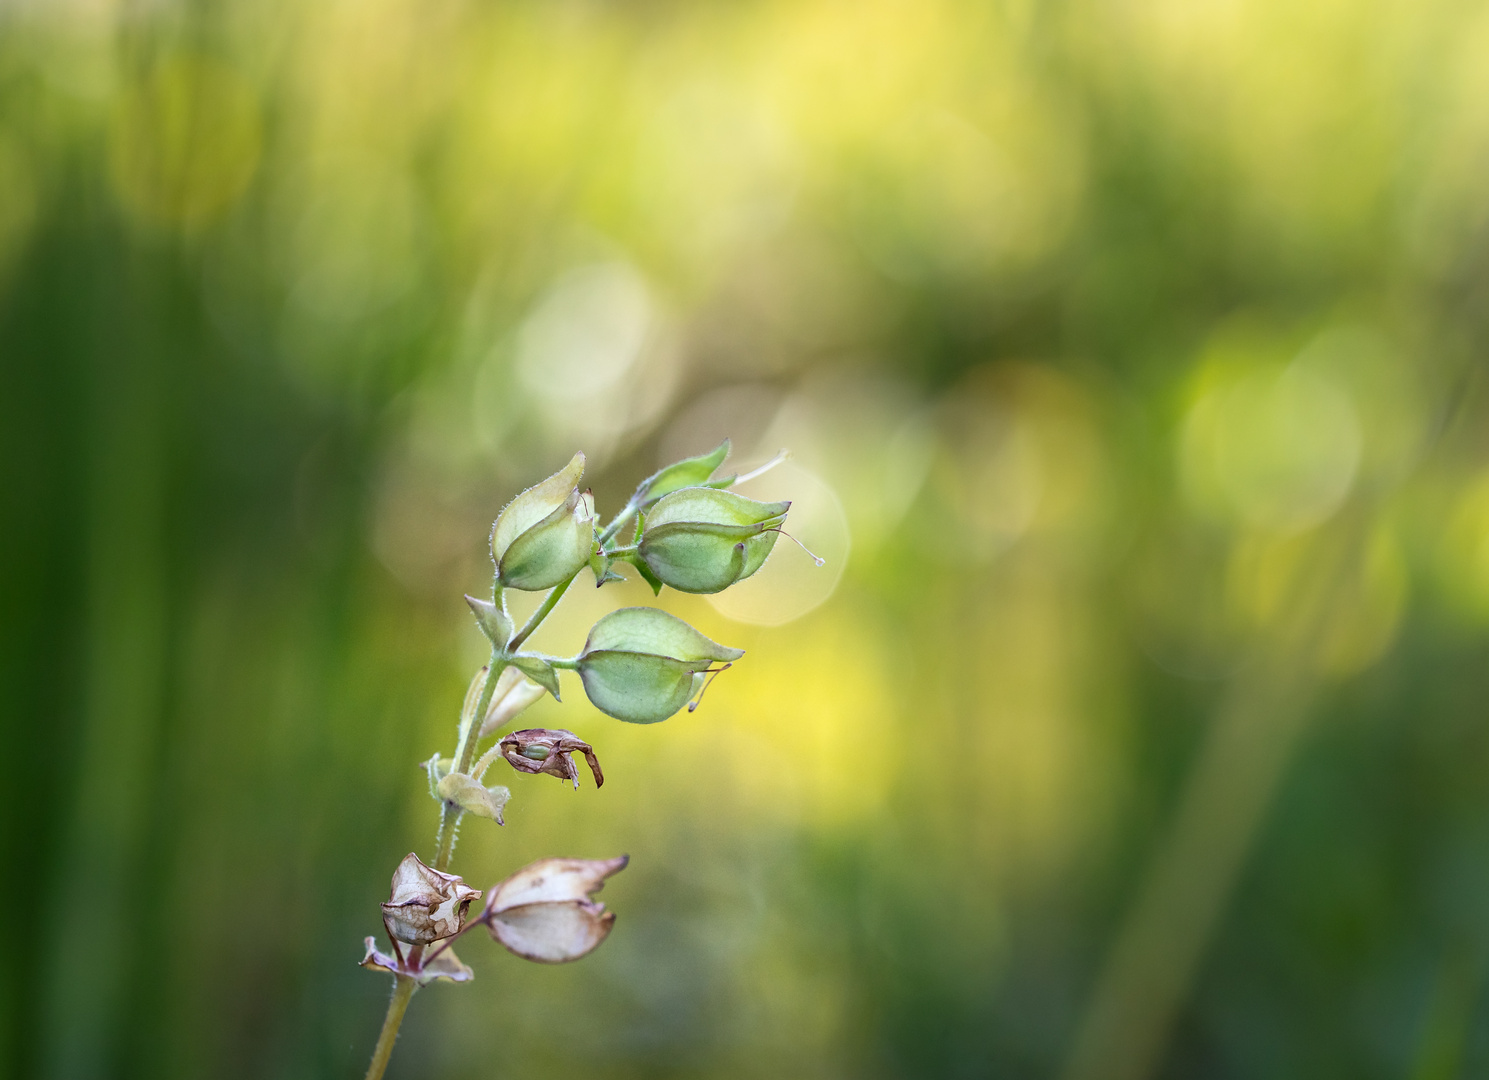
(426, 905)
(546, 750)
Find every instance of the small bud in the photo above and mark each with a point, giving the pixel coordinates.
(700, 540)
(543, 912)
(467, 793)
(542, 750)
(493, 621)
(514, 692)
(639, 663)
(425, 904)
(545, 535)
(601, 565)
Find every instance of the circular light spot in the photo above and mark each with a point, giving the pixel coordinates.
(790, 584)
(592, 355)
(1272, 449)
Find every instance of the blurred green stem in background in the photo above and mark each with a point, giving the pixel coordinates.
(1230, 788)
(1185, 890)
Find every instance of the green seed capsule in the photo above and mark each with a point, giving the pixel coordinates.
(545, 535)
(639, 664)
(701, 540)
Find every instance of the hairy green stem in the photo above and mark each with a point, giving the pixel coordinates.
(549, 603)
(403, 990)
(614, 526)
(470, 731)
(404, 986)
(485, 761)
(449, 821)
(470, 728)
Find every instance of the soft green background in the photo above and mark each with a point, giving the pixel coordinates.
(1130, 354)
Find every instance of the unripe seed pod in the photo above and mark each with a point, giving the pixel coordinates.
(544, 536)
(639, 664)
(702, 540)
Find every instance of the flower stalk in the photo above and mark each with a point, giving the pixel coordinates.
(403, 992)
(639, 665)
(549, 603)
(449, 820)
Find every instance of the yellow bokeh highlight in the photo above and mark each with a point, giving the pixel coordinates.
(1337, 611)
(1267, 446)
(817, 736)
(185, 142)
(1463, 551)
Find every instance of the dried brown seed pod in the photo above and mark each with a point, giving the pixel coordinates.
(426, 905)
(543, 912)
(546, 750)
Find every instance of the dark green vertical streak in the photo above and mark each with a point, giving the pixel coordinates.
(162, 349)
(42, 474)
(90, 297)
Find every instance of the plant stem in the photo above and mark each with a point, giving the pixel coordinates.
(470, 733)
(403, 990)
(470, 727)
(404, 986)
(549, 603)
(614, 527)
(485, 761)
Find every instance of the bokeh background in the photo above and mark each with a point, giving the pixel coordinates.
(1129, 354)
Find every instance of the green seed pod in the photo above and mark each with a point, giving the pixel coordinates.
(639, 663)
(544, 536)
(702, 540)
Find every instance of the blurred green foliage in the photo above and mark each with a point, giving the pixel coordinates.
(1130, 356)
